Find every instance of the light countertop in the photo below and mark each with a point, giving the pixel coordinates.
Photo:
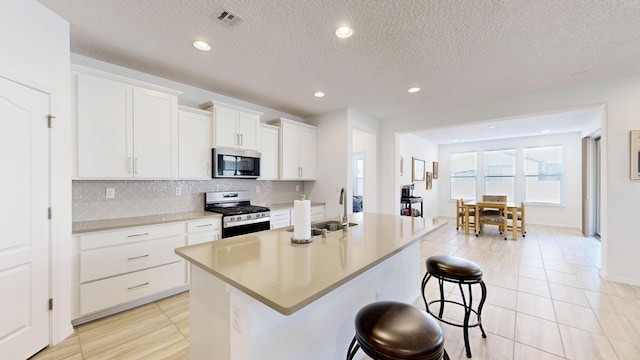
(110, 224)
(286, 276)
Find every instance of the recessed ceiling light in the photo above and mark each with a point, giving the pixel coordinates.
(201, 45)
(492, 127)
(319, 94)
(545, 131)
(344, 32)
(455, 140)
(414, 90)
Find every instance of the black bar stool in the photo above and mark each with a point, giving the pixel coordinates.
(462, 272)
(389, 330)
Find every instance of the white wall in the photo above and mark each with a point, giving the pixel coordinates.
(35, 49)
(619, 194)
(333, 162)
(568, 214)
(412, 146)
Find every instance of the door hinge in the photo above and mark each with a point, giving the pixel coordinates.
(49, 213)
(50, 121)
(50, 304)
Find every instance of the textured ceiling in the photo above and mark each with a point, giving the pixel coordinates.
(458, 52)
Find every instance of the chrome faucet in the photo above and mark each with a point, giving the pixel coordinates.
(344, 220)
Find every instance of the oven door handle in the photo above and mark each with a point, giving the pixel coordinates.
(246, 222)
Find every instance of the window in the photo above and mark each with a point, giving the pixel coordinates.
(543, 172)
(500, 173)
(462, 175)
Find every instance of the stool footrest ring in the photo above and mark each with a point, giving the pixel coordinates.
(450, 323)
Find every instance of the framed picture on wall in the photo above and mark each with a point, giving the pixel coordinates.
(429, 180)
(417, 173)
(635, 154)
(435, 169)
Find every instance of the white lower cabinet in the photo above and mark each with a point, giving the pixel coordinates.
(280, 218)
(102, 294)
(117, 269)
(284, 217)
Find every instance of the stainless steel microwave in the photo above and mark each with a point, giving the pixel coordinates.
(235, 163)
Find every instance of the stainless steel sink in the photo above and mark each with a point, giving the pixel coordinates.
(331, 225)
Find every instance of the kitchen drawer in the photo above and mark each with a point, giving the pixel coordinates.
(279, 223)
(116, 237)
(202, 237)
(115, 260)
(280, 214)
(203, 225)
(102, 294)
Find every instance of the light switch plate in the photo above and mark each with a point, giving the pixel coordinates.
(110, 193)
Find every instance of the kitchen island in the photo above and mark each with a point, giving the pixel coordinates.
(260, 296)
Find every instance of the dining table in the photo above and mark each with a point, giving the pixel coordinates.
(512, 207)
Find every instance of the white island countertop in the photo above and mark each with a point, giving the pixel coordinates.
(285, 276)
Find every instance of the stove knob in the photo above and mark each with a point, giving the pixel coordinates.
(248, 216)
(231, 218)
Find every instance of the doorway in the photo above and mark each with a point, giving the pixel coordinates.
(364, 168)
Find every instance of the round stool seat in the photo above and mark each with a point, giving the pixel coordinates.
(389, 330)
(453, 267)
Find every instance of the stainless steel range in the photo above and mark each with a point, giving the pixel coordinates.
(238, 215)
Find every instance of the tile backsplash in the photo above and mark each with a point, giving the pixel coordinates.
(152, 197)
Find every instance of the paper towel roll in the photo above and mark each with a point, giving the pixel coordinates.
(302, 219)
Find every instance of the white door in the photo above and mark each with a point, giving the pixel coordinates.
(24, 224)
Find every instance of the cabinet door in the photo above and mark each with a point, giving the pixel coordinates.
(248, 130)
(155, 134)
(289, 141)
(194, 146)
(225, 128)
(105, 127)
(307, 151)
(268, 147)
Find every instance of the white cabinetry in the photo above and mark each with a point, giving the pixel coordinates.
(284, 217)
(120, 266)
(297, 150)
(268, 147)
(280, 218)
(125, 131)
(233, 126)
(200, 231)
(194, 143)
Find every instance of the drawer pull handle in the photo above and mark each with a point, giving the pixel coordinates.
(145, 234)
(138, 257)
(205, 225)
(137, 286)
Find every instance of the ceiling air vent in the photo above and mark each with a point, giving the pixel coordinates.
(230, 19)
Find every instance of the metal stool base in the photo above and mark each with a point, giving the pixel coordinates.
(468, 310)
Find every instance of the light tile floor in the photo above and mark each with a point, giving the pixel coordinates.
(545, 300)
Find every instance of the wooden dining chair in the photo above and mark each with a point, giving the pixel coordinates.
(460, 215)
(491, 213)
(494, 198)
(517, 220)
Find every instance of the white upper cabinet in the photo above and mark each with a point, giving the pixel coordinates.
(297, 150)
(268, 147)
(233, 126)
(194, 142)
(105, 125)
(125, 131)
